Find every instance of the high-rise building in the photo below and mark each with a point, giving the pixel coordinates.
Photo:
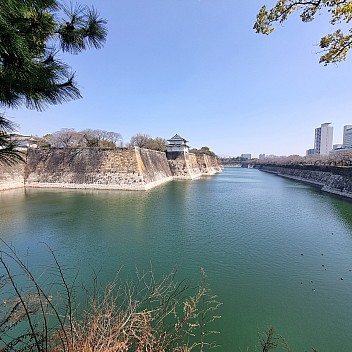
(323, 139)
(347, 136)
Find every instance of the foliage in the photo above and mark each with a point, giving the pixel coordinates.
(340, 159)
(70, 138)
(334, 45)
(140, 140)
(232, 160)
(203, 150)
(101, 138)
(32, 34)
(145, 141)
(146, 314)
(9, 154)
(64, 138)
(157, 143)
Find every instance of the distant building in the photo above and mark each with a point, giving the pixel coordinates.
(311, 152)
(24, 142)
(347, 136)
(246, 156)
(323, 139)
(177, 144)
(336, 148)
(261, 156)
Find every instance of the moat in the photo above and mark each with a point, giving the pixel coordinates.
(276, 251)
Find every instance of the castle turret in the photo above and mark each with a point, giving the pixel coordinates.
(177, 144)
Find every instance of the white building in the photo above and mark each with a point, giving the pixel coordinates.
(323, 139)
(347, 136)
(24, 142)
(177, 144)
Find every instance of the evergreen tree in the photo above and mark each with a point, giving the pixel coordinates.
(9, 154)
(31, 37)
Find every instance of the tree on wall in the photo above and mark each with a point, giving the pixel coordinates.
(203, 150)
(101, 138)
(31, 37)
(334, 45)
(145, 141)
(140, 140)
(89, 138)
(64, 138)
(157, 143)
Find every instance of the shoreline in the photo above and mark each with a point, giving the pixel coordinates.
(327, 181)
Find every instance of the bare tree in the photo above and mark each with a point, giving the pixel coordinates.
(101, 138)
(64, 138)
(145, 141)
(90, 138)
(115, 138)
(140, 140)
(70, 138)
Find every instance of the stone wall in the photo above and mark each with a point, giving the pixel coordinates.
(215, 163)
(154, 167)
(129, 169)
(207, 164)
(183, 166)
(11, 176)
(336, 180)
(96, 168)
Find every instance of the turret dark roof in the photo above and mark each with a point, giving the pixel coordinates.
(177, 137)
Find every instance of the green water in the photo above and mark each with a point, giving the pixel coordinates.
(261, 239)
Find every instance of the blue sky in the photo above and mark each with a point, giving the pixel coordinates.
(197, 68)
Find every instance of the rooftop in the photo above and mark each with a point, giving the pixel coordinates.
(177, 137)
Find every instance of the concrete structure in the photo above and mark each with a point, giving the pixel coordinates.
(347, 136)
(323, 139)
(177, 144)
(261, 156)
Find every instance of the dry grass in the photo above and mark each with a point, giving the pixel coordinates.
(144, 314)
(148, 315)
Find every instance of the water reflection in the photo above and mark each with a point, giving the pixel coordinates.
(344, 209)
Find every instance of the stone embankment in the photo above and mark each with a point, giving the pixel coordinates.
(183, 166)
(190, 166)
(12, 176)
(333, 179)
(126, 169)
(129, 169)
(208, 164)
